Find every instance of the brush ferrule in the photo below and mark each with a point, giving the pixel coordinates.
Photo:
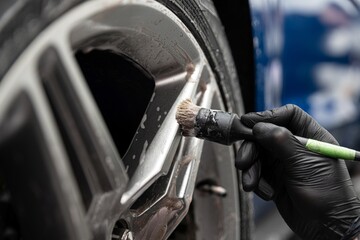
(214, 125)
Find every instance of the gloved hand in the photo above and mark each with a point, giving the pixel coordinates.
(314, 194)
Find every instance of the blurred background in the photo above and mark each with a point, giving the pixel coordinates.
(307, 53)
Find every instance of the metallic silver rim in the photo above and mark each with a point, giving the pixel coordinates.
(148, 191)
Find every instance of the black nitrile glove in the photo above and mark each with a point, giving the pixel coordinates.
(314, 194)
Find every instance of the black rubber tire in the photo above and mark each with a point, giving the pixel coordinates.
(236, 18)
(22, 21)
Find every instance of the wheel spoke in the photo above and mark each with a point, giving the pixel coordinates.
(174, 190)
(31, 148)
(102, 154)
(160, 145)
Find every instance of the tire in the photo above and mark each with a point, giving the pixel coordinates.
(89, 145)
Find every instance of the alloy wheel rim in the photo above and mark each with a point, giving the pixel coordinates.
(153, 38)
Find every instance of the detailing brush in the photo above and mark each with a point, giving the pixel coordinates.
(226, 128)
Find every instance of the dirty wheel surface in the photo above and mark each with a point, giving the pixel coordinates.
(89, 143)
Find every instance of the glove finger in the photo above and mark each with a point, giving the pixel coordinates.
(281, 116)
(279, 141)
(247, 155)
(248, 159)
(264, 190)
(250, 177)
(293, 118)
(252, 181)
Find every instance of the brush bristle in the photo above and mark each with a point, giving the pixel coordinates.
(186, 117)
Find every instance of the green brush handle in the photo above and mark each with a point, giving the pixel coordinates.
(329, 150)
(227, 128)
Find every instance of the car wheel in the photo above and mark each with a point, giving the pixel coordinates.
(89, 144)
